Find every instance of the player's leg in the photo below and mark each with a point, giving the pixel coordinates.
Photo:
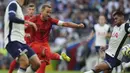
(16, 51)
(33, 60)
(55, 56)
(42, 68)
(34, 64)
(42, 53)
(109, 63)
(23, 63)
(40, 48)
(12, 66)
(101, 54)
(107, 71)
(98, 68)
(125, 63)
(97, 48)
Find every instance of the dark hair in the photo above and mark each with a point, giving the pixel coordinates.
(26, 2)
(46, 5)
(118, 12)
(31, 5)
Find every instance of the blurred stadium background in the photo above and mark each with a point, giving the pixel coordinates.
(67, 39)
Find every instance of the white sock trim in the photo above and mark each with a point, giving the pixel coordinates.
(29, 70)
(61, 58)
(90, 71)
(20, 71)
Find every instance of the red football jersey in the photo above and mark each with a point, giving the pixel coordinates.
(44, 27)
(29, 30)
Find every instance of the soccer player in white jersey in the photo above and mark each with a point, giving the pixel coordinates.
(113, 53)
(102, 31)
(14, 32)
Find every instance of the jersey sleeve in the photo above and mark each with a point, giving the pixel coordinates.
(32, 19)
(127, 27)
(26, 25)
(93, 29)
(12, 14)
(25, 17)
(109, 30)
(54, 21)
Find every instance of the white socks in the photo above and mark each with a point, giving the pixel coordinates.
(126, 65)
(61, 58)
(89, 71)
(20, 71)
(29, 70)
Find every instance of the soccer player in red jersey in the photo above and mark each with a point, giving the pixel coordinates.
(40, 45)
(29, 31)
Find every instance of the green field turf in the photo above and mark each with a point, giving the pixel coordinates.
(5, 71)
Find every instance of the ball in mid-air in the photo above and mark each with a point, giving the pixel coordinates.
(126, 50)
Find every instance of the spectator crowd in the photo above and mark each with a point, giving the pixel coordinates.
(85, 11)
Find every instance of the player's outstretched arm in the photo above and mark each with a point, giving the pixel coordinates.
(73, 25)
(90, 36)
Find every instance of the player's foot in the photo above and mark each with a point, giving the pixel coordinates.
(65, 57)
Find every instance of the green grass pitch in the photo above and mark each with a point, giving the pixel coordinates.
(6, 71)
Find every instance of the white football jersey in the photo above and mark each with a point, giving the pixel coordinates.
(13, 31)
(101, 32)
(118, 37)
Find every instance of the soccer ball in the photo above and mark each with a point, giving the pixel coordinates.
(126, 50)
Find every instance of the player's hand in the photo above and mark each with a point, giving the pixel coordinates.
(27, 35)
(81, 25)
(32, 24)
(103, 48)
(128, 35)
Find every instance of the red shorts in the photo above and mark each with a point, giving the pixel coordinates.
(28, 40)
(39, 47)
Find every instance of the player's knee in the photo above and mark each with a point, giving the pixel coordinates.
(97, 69)
(24, 62)
(36, 65)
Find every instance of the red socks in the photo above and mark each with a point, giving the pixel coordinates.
(12, 66)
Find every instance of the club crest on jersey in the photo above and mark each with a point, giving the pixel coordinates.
(115, 34)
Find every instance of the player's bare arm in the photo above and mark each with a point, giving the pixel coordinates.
(73, 25)
(31, 24)
(108, 35)
(90, 36)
